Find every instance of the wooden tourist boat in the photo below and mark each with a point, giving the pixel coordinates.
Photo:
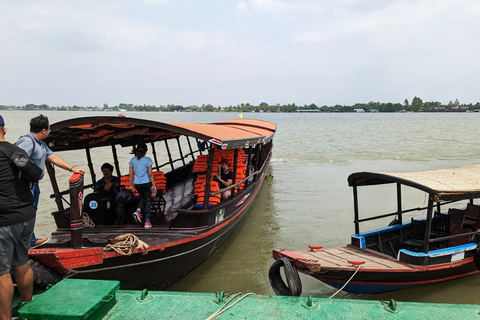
(190, 222)
(407, 253)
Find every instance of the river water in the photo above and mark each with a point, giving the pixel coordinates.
(307, 199)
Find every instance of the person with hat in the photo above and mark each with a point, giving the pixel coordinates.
(224, 177)
(17, 219)
(39, 152)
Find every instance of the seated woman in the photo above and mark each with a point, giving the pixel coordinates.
(224, 177)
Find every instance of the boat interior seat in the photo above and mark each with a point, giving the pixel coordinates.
(440, 225)
(460, 240)
(457, 217)
(472, 217)
(417, 234)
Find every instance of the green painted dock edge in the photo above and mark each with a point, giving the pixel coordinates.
(185, 305)
(129, 304)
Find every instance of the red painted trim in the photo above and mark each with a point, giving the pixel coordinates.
(403, 283)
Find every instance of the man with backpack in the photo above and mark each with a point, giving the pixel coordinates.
(39, 152)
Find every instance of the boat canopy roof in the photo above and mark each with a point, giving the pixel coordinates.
(91, 132)
(443, 185)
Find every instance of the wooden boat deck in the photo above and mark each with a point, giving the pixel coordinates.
(338, 258)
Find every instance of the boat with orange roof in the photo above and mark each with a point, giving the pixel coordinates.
(190, 220)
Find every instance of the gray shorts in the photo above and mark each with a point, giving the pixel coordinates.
(14, 244)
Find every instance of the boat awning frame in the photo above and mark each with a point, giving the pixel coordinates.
(100, 131)
(441, 185)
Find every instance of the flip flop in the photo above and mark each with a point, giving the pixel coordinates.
(40, 242)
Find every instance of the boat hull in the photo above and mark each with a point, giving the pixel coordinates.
(363, 271)
(161, 265)
(378, 282)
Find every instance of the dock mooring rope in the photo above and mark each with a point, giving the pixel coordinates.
(127, 243)
(353, 275)
(225, 308)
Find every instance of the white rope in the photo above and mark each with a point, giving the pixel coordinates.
(87, 222)
(225, 308)
(127, 243)
(353, 275)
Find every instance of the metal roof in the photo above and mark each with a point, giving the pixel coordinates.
(91, 132)
(443, 185)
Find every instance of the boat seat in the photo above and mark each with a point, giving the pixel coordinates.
(457, 217)
(460, 240)
(440, 225)
(472, 217)
(417, 233)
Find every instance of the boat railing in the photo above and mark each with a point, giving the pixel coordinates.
(403, 211)
(467, 234)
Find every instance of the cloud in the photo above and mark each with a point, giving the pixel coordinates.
(191, 52)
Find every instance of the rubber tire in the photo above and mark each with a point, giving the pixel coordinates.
(294, 287)
(393, 222)
(42, 276)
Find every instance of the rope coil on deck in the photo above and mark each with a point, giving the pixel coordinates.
(128, 242)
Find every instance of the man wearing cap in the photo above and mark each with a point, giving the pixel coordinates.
(39, 152)
(225, 178)
(17, 219)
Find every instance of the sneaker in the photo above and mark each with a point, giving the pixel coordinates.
(148, 225)
(137, 216)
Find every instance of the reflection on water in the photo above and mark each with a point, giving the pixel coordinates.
(308, 200)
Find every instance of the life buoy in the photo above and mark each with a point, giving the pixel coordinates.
(294, 287)
(42, 276)
(476, 257)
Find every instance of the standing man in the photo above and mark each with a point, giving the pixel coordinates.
(38, 151)
(17, 219)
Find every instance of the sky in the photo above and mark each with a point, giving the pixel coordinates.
(226, 52)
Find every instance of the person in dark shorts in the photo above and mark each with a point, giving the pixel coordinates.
(17, 219)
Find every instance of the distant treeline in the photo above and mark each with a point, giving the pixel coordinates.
(417, 105)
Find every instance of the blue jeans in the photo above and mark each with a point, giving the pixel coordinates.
(35, 189)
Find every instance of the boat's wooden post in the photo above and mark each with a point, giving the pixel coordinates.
(53, 180)
(180, 150)
(90, 165)
(115, 160)
(211, 155)
(355, 209)
(235, 161)
(190, 147)
(249, 157)
(428, 225)
(169, 155)
(76, 212)
(257, 160)
(154, 153)
(399, 203)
